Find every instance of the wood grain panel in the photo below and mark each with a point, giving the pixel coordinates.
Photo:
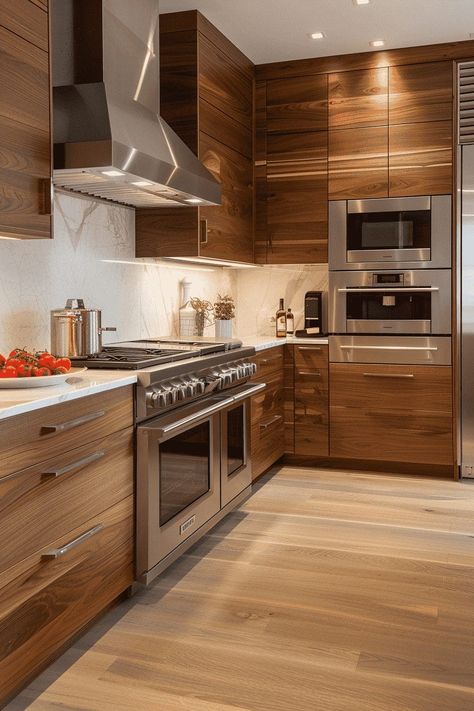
(268, 361)
(406, 417)
(47, 601)
(358, 163)
(289, 398)
(297, 197)
(167, 232)
(260, 173)
(267, 441)
(224, 84)
(311, 401)
(27, 20)
(230, 225)
(24, 440)
(421, 158)
(367, 60)
(421, 92)
(311, 356)
(297, 104)
(358, 99)
(224, 129)
(53, 506)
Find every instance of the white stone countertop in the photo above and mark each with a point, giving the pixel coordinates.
(260, 343)
(21, 400)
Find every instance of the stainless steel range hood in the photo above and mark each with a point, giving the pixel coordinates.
(109, 140)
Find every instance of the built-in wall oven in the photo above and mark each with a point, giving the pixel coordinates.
(390, 302)
(405, 233)
(192, 462)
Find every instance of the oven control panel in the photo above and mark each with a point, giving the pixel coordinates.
(179, 390)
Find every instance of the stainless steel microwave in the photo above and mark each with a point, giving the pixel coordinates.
(406, 233)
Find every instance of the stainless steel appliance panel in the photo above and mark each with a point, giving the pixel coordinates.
(405, 302)
(409, 350)
(436, 254)
(467, 309)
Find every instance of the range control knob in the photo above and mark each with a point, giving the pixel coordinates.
(200, 386)
(182, 392)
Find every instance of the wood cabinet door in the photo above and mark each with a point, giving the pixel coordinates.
(398, 413)
(311, 413)
(25, 144)
(358, 163)
(421, 158)
(227, 232)
(296, 209)
(297, 104)
(267, 424)
(358, 99)
(421, 92)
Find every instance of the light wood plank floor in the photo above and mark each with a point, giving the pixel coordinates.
(325, 591)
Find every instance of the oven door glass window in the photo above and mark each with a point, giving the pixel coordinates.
(379, 305)
(235, 439)
(389, 230)
(185, 462)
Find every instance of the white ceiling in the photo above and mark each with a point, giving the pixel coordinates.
(277, 30)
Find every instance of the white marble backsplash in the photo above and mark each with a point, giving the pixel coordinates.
(92, 257)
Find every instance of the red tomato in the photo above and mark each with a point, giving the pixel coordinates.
(60, 370)
(14, 362)
(42, 371)
(47, 361)
(63, 363)
(8, 372)
(24, 371)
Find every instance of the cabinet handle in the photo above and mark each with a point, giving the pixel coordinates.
(266, 361)
(204, 232)
(310, 348)
(388, 375)
(314, 373)
(55, 553)
(272, 421)
(46, 196)
(55, 473)
(72, 424)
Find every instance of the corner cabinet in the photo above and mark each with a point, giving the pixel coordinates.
(207, 98)
(25, 126)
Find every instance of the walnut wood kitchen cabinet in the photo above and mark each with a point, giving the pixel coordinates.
(25, 125)
(390, 131)
(66, 524)
(311, 392)
(207, 98)
(391, 413)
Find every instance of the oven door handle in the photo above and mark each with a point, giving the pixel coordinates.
(195, 417)
(249, 391)
(389, 348)
(385, 289)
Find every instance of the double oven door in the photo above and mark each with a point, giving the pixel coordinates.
(390, 302)
(409, 233)
(191, 463)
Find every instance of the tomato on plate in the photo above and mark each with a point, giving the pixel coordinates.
(63, 363)
(46, 360)
(42, 371)
(3, 360)
(8, 372)
(24, 370)
(14, 362)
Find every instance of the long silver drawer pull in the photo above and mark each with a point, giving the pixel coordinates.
(64, 550)
(266, 361)
(313, 373)
(71, 424)
(388, 375)
(269, 423)
(388, 348)
(55, 473)
(249, 392)
(378, 289)
(310, 348)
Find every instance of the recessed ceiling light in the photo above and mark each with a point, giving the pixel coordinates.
(112, 173)
(361, 2)
(377, 43)
(317, 35)
(142, 183)
(194, 201)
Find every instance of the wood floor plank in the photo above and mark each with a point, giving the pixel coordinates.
(325, 591)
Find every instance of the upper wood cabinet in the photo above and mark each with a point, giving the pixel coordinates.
(25, 136)
(297, 104)
(207, 98)
(390, 131)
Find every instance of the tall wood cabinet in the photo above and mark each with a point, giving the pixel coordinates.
(207, 98)
(25, 126)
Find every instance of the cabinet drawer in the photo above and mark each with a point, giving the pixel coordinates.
(59, 495)
(46, 600)
(26, 440)
(392, 413)
(268, 361)
(311, 414)
(267, 425)
(269, 401)
(311, 356)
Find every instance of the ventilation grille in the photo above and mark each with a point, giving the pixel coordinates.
(466, 102)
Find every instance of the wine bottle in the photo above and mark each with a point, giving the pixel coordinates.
(281, 321)
(290, 322)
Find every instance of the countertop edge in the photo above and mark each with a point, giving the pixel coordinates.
(263, 343)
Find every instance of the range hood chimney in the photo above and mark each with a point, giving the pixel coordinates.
(109, 139)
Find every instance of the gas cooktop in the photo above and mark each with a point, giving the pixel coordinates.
(136, 355)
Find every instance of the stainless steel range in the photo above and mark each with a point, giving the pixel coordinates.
(193, 463)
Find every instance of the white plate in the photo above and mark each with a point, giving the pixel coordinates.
(42, 381)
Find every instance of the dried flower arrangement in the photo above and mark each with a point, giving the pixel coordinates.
(224, 308)
(203, 310)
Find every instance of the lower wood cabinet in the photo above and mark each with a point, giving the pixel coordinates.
(311, 401)
(66, 524)
(397, 413)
